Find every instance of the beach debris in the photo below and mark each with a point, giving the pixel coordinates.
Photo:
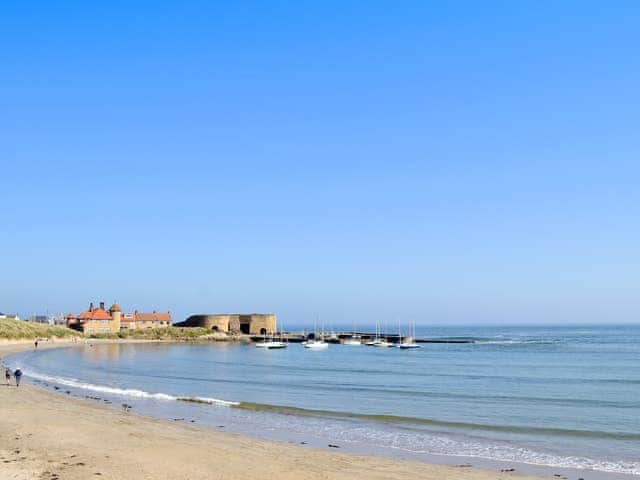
(464, 465)
(331, 445)
(126, 407)
(303, 443)
(506, 470)
(220, 426)
(178, 419)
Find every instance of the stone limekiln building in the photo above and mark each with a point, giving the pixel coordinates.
(249, 323)
(98, 320)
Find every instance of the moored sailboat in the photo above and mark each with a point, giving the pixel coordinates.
(409, 342)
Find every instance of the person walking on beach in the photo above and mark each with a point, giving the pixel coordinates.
(36, 343)
(17, 375)
(7, 375)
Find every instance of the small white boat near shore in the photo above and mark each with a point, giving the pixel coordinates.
(316, 344)
(408, 342)
(378, 341)
(354, 341)
(272, 344)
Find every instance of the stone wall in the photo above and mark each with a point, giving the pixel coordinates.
(262, 323)
(253, 323)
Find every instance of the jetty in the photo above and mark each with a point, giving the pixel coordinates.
(339, 337)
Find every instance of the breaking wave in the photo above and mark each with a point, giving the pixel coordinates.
(126, 392)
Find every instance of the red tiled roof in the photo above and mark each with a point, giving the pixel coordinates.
(95, 314)
(152, 317)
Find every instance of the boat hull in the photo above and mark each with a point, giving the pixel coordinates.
(316, 346)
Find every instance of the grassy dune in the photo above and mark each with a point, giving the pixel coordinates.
(167, 333)
(17, 330)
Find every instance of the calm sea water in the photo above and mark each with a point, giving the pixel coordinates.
(564, 397)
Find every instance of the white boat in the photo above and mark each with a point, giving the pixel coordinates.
(371, 343)
(316, 344)
(379, 341)
(354, 341)
(272, 343)
(409, 342)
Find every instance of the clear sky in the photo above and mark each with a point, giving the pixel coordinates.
(438, 162)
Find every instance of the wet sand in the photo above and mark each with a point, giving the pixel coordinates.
(45, 435)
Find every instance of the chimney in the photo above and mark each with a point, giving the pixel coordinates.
(91, 307)
(102, 305)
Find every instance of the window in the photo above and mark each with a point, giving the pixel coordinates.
(104, 322)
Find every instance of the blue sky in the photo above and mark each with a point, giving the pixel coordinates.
(437, 162)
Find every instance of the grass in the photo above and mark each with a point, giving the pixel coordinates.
(19, 330)
(165, 333)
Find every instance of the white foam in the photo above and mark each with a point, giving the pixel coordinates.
(514, 342)
(435, 444)
(128, 392)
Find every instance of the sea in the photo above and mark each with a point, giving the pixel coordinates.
(554, 398)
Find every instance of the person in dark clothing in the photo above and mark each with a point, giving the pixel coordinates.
(17, 375)
(36, 343)
(7, 375)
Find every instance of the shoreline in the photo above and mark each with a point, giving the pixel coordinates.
(122, 434)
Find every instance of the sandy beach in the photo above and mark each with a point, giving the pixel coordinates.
(44, 435)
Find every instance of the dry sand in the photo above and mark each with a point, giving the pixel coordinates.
(44, 435)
